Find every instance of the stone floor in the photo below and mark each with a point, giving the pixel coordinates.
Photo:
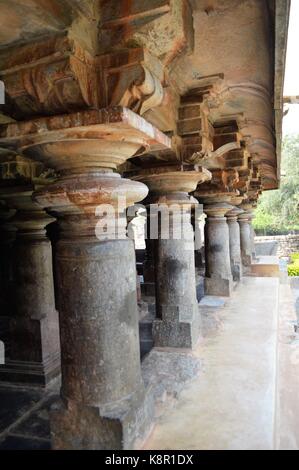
(245, 397)
(287, 417)
(24, 418)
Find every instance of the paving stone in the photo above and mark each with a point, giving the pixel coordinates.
(212, 301)
(14, 403)
(38, 423)
(23, 443)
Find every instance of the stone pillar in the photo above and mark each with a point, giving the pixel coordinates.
(103, 400)
(149, 287)
(198, 223)
(34, 355)
(7, 239)
(218, 279)
(178, 321)
(234, 243)
(132, 233)
(246, 237)
(254, 257)
(102, 390)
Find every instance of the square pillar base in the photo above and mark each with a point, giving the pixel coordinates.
(30, 373)
(219, 287)
(148, 289)
(179, 328)
(118, 426)
(236, 271)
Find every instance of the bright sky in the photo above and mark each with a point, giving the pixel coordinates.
(291, 86)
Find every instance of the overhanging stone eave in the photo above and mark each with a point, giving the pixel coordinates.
(282, 14)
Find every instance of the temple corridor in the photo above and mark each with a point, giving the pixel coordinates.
(136, 139)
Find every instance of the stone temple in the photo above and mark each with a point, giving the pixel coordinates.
(120, 116)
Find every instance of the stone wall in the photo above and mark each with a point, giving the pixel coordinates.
(280, 245)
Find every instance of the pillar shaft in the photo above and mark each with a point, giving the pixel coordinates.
(172, 242)
(177, 323)
(218, 279)
(234, 244)
(98, 320)
(7, 239)
(198, 223)
(252, 241)
(246, 239)
(149, 287)
(34, 355)
(102, 389)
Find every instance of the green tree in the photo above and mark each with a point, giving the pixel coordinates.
(278, 210)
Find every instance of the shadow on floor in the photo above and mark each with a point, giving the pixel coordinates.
(24, 418)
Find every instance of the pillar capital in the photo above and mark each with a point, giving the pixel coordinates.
(247, 207)
(214, 196)
(246, 215)
(233, 214)
(237, 200)
(171, 184)
(217, 209)
(29, 219)
(85, 148)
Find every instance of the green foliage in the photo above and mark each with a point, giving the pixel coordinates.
(278, 211)
(293, 269)
(295, 257)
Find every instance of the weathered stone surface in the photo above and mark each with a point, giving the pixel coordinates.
(234, 243)
(101, 379)
(211, 312)
(178, 322)
(7, 238)
(280, 245)
(170, 61)
(103, 404)
(34, 350)
(245, 221)
(218, 268)
(167, 371)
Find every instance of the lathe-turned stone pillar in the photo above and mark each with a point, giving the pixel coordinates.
(169, 205)
(103, 400)
(234, 243)
(254, 257)
(34, 354)
(218, 279)
(198, 222)
(246, 235)
(149, 286)
(7, 239)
